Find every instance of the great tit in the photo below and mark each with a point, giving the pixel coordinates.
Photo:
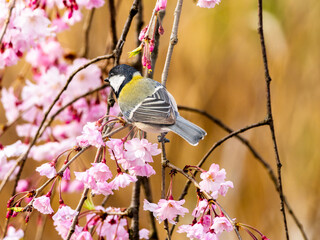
(148, 105)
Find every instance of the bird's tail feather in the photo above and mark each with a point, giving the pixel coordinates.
(188, 131)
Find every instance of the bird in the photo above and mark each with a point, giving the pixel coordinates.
(147, 104)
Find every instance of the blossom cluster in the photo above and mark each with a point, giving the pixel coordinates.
(30, 24)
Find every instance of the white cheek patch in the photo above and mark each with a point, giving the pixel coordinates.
(116, 81)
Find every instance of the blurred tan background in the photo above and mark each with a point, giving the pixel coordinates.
(217, 67)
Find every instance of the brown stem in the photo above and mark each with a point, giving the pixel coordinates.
(269, 114)
(86, 29)
(134, 208)
(113, 25)
(173, 42)
(148, 194)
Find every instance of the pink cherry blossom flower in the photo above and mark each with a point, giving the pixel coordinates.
(193, 231)
(166, 209)
(201, 207)
(213, 180)
(9, 103)
(5, 167)
(87, 179)
(115, 148)
(42, 204)
(89, 4)
(33, 23)
(144, 233)
(66, 174)
(141, 151)
(13, 234)
(64, 213)
(145, 171)
(15, 149)
(161, 5)
(85, 80)
(100, 172)
(221, 224)
(47, 170)
(84, 235)
(122, 180)
(23, 185)
(208, 3)
(90, 136)
(103, 188)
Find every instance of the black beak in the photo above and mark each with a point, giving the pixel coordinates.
(106, 80)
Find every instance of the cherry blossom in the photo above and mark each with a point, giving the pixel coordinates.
(47, 170)
(42, 204)
(91, 135)
(208, 3)
(122, 180)
(144, 233)
(13, 234)
(221, 224)
(166, 209)
(213, 181)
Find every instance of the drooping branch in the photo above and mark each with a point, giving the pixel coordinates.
(269, 114)
(86, 30)
(254, 152)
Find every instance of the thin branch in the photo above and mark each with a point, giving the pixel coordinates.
(113, 26)
(86, 29)
(78, 209)
(173, 41)
(7, 21)
(269, 114)
(164, 164)
(148, 194)
(206, 195)
(218, 143)
(121, 41)
(134, 208)
(154, 54)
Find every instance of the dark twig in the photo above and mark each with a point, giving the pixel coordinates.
(164, 163)
(134, 208)
(173, 41)
(154, 54)
(7, 21)
(113, 26)
(78, 209)
(265, 164)
(121, 41)
(269, 114)
(86, 29)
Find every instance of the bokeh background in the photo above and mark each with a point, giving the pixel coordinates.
(217, 67)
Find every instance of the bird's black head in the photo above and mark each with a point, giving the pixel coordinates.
(119, 76)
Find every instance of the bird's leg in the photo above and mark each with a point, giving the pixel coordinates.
(162, 138)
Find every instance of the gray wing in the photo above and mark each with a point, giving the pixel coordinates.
(158, 108)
